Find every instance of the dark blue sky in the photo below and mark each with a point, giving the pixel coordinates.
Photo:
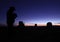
(32, 11)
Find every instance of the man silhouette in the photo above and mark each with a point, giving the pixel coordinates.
(11, 16)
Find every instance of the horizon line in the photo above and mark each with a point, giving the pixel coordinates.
(32, 25)
(39, 24)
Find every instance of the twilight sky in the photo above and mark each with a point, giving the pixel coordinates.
(32, 11)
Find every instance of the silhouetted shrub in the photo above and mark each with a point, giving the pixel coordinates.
(49, 24)
(35, 25)
(21, 24)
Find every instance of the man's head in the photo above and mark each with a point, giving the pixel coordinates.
(13, 8)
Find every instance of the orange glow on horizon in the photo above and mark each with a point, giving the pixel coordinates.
(31, 24)
(57, 24)
(34, 24)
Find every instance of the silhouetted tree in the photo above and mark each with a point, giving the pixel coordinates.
(21, 24)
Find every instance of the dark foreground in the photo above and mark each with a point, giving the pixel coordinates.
(31, 34)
